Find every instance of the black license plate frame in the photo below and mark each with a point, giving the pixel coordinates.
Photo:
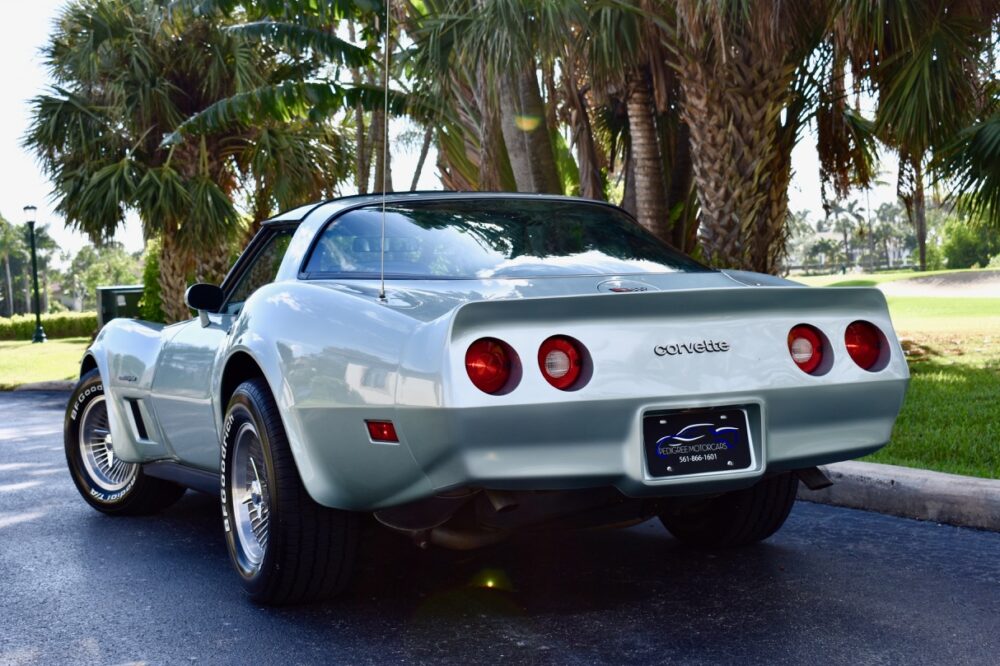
(697, 441)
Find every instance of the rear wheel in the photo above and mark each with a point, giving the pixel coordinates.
(106, 482)
(286, 547)
(734, 519)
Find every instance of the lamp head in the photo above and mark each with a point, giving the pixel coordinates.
(29, 214)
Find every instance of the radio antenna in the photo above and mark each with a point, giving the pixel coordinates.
(385, 151)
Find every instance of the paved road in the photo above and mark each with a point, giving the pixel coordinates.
(835, 586)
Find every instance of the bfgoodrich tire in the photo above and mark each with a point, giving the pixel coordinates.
(106, 482)
(286, 548)
(738, 518)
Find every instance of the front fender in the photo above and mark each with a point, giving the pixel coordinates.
(126, 352)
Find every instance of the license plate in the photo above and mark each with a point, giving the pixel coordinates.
(696, 442)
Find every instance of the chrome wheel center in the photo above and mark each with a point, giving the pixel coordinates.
(106, 470)
(250, 496)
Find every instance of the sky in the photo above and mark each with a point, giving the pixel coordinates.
(25, 28)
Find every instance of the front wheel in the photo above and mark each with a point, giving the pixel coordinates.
(287, 548)
(737, 518)
(108, 483)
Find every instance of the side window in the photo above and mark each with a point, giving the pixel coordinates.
(262, 270)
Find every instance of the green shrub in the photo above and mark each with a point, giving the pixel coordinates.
(966, 246)
(61, 325)
(151, 305)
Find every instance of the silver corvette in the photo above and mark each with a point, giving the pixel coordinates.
(528, 362)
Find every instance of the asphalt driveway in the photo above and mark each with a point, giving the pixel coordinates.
(834, 586)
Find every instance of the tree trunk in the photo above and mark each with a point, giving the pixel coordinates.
(424, 149)
(362, 165)
(491, 146)
(212, 263)
(681, 177)
(10, 286)
(526, 133)
(383, 163)
(628, 196)
(175, 262)
(733, 101)
(590, 161)
(920, 212)
(650, 189)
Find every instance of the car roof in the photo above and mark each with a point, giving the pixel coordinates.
(357, 200)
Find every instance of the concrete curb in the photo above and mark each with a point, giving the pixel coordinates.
(911, 493)
(66, 385)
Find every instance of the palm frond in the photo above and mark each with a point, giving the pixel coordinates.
(971, 163)
(284, 102)
(300, 39)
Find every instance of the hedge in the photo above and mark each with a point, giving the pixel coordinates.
(61, 325)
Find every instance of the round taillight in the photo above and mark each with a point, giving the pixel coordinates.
(805, 344)
(561, 361)
(864, 343)
(488, 362)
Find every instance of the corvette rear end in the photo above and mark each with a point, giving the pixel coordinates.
(642, 361)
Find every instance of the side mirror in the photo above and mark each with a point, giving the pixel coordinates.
(204, 298)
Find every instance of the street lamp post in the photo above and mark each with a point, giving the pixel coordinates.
(29, 217)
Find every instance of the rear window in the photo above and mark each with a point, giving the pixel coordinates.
(491, 238)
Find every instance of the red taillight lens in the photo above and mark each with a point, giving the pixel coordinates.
(488, 362)
(561, 361)
(382, 431)
(805, 344)
(864, 343)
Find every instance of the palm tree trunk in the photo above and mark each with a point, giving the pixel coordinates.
(920, 212)
(526, 133)
(175, 261)
(383, 164)
(734, 94)
(212, 263)
(628, 196)
(361, 161)
(587, 156)
(10, 286)
(681, 178)
(491, 146)
(650, 190)
(424, 149)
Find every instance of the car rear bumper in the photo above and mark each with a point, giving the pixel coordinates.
(577, 444)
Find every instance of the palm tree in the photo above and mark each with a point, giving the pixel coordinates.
(847, 220)
(923, 61)
(127, 73)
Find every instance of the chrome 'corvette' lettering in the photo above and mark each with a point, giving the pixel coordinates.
(703, 347)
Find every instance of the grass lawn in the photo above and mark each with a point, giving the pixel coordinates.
(868, 279)
(950, 420)
(22, 362)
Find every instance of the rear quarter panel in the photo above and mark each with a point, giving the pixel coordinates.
(332, 360)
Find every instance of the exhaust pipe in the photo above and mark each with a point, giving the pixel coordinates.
(501, 500)
(814, 478)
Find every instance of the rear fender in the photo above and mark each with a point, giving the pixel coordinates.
(332, 360)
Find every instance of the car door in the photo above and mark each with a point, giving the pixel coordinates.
(189, 367)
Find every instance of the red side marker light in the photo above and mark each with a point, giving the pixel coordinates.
(382, 431)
